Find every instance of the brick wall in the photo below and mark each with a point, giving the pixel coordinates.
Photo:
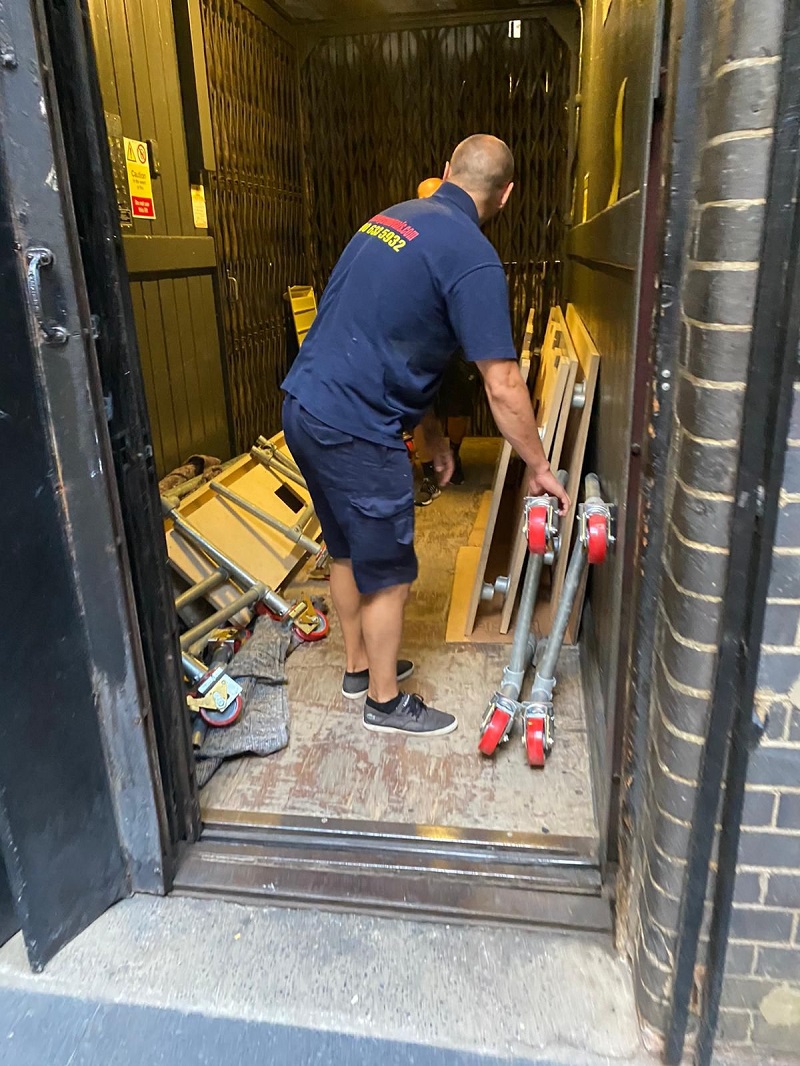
(761, 996)
(743, 43)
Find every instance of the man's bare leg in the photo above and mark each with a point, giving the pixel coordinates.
(382, 621)
(348, 605)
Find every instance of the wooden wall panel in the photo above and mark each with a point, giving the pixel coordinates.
(177, 331)
(173, 289)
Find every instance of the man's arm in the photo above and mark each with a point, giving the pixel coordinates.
(511, 406)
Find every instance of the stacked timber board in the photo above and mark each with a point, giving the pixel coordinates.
(563, 398)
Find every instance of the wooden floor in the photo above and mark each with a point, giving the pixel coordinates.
(335, 768)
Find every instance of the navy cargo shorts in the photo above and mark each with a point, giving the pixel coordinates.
(363, 495)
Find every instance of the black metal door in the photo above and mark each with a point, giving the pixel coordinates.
(79, 826)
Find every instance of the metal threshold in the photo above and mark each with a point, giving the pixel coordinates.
(430, 872)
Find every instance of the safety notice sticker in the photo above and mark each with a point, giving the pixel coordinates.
(137, 161)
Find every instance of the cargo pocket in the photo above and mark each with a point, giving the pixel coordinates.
(392, 520)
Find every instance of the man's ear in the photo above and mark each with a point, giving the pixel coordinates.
(446, 175)
(506, 194)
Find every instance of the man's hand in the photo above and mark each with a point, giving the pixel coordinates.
(443, 462)
(543, 482)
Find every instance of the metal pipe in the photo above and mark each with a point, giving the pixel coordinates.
(290, 532)
(237, 574)
(566, 601)
(514, 674)
(278, 455)
(591, 491)
(278, 469)
(192, 640)
(201, 589)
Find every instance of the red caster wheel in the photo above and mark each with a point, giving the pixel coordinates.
(534, 741)
(220, 719)
(596, 538)
(317, 634)
(537, 530)
(493, 733)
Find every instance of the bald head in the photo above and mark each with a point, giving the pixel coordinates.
(483, 166)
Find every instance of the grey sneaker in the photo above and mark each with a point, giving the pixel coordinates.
(412, 716)
(427, 493)
(356, 685)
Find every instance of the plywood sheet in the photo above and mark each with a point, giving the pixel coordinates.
(552, 411)
(263, 552)
(575, 450)
(498, 484)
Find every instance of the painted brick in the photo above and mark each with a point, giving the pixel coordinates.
(725, 296)
(789, 810)
(715, 414)
(780, 624)
(748, 890)
(687, 713)
(794, 726)
(686, 664)
(759, 808)
(770, 849)
(776, 765)
(715, 354)
(702, 519)
(787, 533)
(764, 926)
(653, 1010)
(695, 569)
(746, 31)
(739, 958)
(781, 964)
(783, 890)
(743, 993)
(784, 581)
(777, 1037)
(743, 99)
(777, 714)
(687, 617)
(707, 469)
(735, 170)
(791, 474)
(778, 671)
(668, 876)
(679, 756)
(733, 1027)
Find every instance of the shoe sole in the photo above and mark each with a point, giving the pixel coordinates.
(364, 691)
(408, 733)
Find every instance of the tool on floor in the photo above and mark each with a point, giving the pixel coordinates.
(541, 523)
(294, 533)
(284, 468)
(308, 623)
(594, 540)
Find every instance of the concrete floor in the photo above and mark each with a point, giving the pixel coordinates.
(334, 768)
(186, 981)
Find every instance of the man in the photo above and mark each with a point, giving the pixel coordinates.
(415, 283)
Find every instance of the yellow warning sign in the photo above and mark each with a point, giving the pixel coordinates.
(137, 161)
(199, 207)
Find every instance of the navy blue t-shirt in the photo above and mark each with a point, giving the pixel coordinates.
(416, 282)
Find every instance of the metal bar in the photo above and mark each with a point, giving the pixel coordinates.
(547, 666)
(290, 532)
(277, 468)
(192, 639)
(201, 589)
(520, 656)
(768, 406)
(242, 578)
(278, 456)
